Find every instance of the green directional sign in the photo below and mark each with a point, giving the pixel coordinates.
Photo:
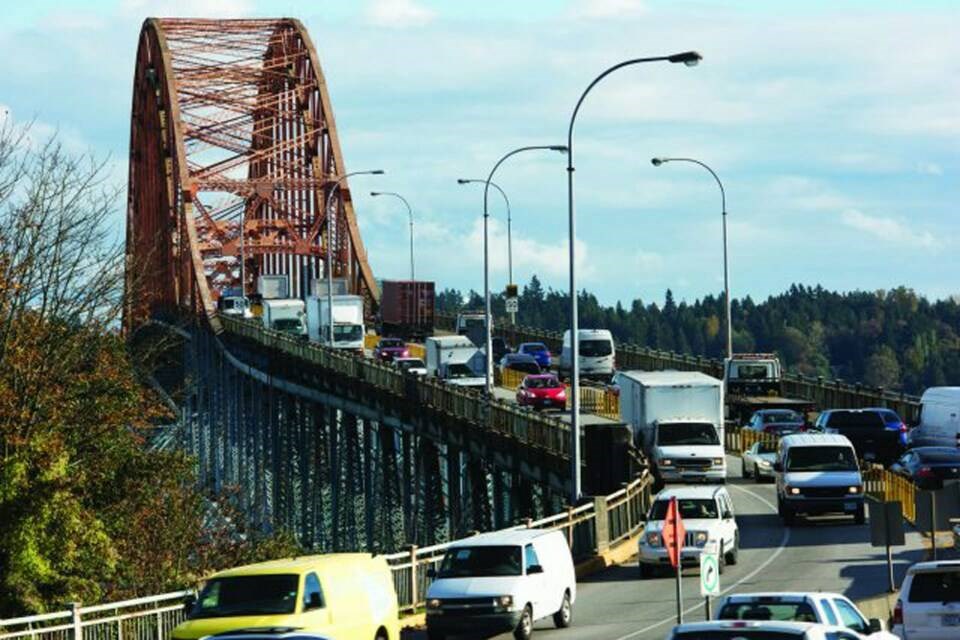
(709, 574)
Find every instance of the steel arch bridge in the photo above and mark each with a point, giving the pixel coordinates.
(233, 151)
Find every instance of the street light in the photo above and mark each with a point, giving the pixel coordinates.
(689, 58)
(486, 254)
(513, 319)
(329, 266)
(726, 272)
(409, 214)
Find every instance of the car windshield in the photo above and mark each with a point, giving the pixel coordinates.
(351, 332)
(595, 348)
(391, 343)
(821, 458)
(689, 508)
(412, 364)
(470, 323)
(890, 417)
(460, 370)
(753, 371)
(939, 455)
(533, 347)
(287, 324)
(247, 596)
(764, 610)
(475, 562)
(542, 383)
(935, 586)
(686, 433)
(846, 419)
(782, 416)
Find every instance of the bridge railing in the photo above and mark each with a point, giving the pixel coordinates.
(589, 529)
(529, 428)
(150, 618)
(822, 392)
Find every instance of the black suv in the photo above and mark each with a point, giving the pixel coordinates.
(875, 438)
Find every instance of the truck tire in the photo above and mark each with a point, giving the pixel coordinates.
(564, 616)
(525, 627)
(733, 554)
(860, 517)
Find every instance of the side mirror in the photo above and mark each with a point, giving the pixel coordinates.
(188, 604)
(534, 569)
(431, 573)
(727, 515)
(778, 466)
(314, 602)
(874, 625)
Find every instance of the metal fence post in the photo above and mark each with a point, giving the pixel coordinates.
(601, 524)
(414, 586)
(75, 621)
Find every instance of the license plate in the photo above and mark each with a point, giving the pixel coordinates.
(951, 620)
(870, 455)
(849, 506)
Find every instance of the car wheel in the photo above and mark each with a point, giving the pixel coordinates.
(646, 571)
(525, 627)
(564, 616)
(860, 517)
(721, 560)
(432, 634)
(732, 555)
(743, 472)
(756, 474)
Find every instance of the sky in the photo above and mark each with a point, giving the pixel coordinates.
(834, 126)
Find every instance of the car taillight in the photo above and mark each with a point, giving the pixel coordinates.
(925, 472)
(903, 427)
(406, 353)
(898, 612)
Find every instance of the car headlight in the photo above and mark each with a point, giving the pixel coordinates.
(853, 489)
(503, 602)
(666, 462)
(653, 539)
(718, 462)
(433, 603)
(700, 538)
(764, 464)
(794, 491)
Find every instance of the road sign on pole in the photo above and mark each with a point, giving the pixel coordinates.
(709, 573)
(674, 533)
(513, 305)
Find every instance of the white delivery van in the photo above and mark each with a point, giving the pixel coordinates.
(597, 354)
(348, 328)
(939, 418)
(285, 315)
(502, 581)
(818, 474)
(677, 419)
(455, 360)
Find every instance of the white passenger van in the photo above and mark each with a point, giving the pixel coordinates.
(597, 354)
(939, 418)
(502, 581)
(818, 474)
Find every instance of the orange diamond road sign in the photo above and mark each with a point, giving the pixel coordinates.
(673, 533)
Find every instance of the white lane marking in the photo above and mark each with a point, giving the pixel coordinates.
(783, 545)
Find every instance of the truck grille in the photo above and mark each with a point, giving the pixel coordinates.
(468, 606)
(824, 492)
(693, 464)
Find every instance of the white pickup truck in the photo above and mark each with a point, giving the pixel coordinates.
(825, 608)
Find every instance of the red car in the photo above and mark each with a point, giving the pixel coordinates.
(389, 348)
(542, 391)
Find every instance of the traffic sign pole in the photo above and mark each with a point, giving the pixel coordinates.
(709, 574)
(673, 534)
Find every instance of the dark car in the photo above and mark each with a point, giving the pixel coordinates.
(873, 438)
(777, 421)
(929, 467)
(389, 348)
(500, 348)
(893, 421)
(520, 362)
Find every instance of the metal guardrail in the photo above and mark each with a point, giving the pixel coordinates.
(150, 618)
(824, 393)
(622, 515)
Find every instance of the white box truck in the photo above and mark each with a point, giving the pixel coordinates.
(455, 360)
(285, 315)
(348, 328)
(677, 419)
(273, 287)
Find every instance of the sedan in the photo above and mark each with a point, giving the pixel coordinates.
(542, 391)
(520, 362)
(538, 350)
(758, 461)
(778, 421)
(389, 348)
(929, 467)
(413, 366)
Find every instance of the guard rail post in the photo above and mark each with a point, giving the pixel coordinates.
(601, 524)
(75, 621)
(413, 578)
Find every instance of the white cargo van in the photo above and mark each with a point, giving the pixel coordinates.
(939, 418)
(597, 354)
(502, 581)
(286, 316)
(455, 360)
(677, 419)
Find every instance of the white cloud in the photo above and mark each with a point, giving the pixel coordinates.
(186, 8)
(889, 230)
(399, 13)
(608, 8)
(930, 169)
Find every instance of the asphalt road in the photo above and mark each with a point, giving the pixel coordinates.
(825, 554)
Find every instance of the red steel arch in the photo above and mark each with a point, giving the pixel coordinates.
(231, 121)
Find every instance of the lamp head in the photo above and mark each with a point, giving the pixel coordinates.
(689, 58)
(375, 193)
(377, 172)
(562, 148)
(462, 181)
(657, 161)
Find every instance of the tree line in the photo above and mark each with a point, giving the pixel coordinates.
(894, 339)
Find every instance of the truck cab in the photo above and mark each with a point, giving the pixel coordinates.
(456, 361)
(286, 316)
(753, 374)
(472, 324)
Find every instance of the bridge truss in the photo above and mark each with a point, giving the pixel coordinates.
(233, 154)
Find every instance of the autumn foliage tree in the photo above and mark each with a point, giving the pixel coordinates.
(87, 510)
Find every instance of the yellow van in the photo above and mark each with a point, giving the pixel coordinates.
(346, 596)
